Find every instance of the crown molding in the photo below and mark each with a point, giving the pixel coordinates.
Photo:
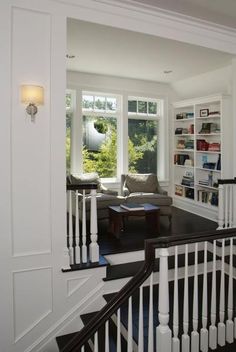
(135, 16)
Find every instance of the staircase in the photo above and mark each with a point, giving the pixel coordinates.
(194, 270)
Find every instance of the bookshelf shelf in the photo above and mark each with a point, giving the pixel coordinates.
(201, 132)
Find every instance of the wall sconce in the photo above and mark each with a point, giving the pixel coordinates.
(33, 96)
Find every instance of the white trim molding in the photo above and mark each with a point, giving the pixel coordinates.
(155, 21)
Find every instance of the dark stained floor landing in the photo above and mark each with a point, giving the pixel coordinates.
(135, 233)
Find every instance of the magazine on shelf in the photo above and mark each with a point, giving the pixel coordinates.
(132, 206)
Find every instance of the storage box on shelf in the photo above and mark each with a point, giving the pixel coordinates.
(198, 148)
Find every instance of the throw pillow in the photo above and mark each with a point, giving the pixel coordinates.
(146, 183)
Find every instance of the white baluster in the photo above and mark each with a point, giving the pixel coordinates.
(221, 325)
(233, 207)
(226, 188)
(95, 342)
(221, 207)
(231, 188)
(195, 334)
(93, 247)
(130, 327)
(77, 242)
(204, 331)
(229, 322)
(185, 336)
(82, 349)
(66, 252)
(163, 332)
(140, 325)
(118, 339)
(84, 246)
(212, 328)
(70, 239)
(107, 336)
(175, 339)
(150, 320)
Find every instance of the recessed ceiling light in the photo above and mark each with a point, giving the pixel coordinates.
(70, 56)
(167, 71)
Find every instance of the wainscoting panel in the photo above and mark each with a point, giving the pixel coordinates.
(74, 284)
(32, 295)
(31, 228)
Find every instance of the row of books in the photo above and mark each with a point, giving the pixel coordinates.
(187, 181)
(208, 197)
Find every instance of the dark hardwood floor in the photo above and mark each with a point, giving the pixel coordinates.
(132, 239)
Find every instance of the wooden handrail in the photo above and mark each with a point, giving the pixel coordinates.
(79, 186)
(227, 181)
(116, 302)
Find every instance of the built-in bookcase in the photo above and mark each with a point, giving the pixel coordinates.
(199, 150)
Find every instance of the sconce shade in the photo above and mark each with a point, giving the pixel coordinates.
(32, 95)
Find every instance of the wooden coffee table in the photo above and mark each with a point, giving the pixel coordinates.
(117, 215)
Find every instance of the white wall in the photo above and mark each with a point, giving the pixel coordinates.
(36, 297)
(209, 83)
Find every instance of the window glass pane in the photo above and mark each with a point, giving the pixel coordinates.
(68, 140)
(152, 107)
(100, 103)
(87, 102)
(68, 101)
(132, 106)
(142, 146)
(142, 107)
(100, 145)
(111, 104)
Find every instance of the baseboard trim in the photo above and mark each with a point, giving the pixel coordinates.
(191, 207)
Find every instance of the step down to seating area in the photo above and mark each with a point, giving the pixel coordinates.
(120, 271)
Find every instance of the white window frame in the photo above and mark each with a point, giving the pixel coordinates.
(106, 113)
(162, 142)
(122, 131)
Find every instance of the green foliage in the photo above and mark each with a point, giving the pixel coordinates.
(104, 162)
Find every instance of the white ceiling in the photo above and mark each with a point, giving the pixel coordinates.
(106, 50)
(218, 11)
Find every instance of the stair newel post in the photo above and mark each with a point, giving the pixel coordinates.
(77, 241)
(70, 238)
(195, 334)
(212, 327)
(163, 332)
(229, 322)
(107, 336)
(84, 246)
(226, 195)
(118, 339)
(93, 247)
(221, 324)
(130, 326)
(185, 336)
(204, 331)
(175, 339)
(221, 207)
(150, 319)
(140, 325)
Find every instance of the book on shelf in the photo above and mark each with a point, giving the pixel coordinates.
(132, 206)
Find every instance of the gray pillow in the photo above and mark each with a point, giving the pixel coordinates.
(146, 183)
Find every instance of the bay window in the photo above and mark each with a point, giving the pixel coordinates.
(104, 139)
